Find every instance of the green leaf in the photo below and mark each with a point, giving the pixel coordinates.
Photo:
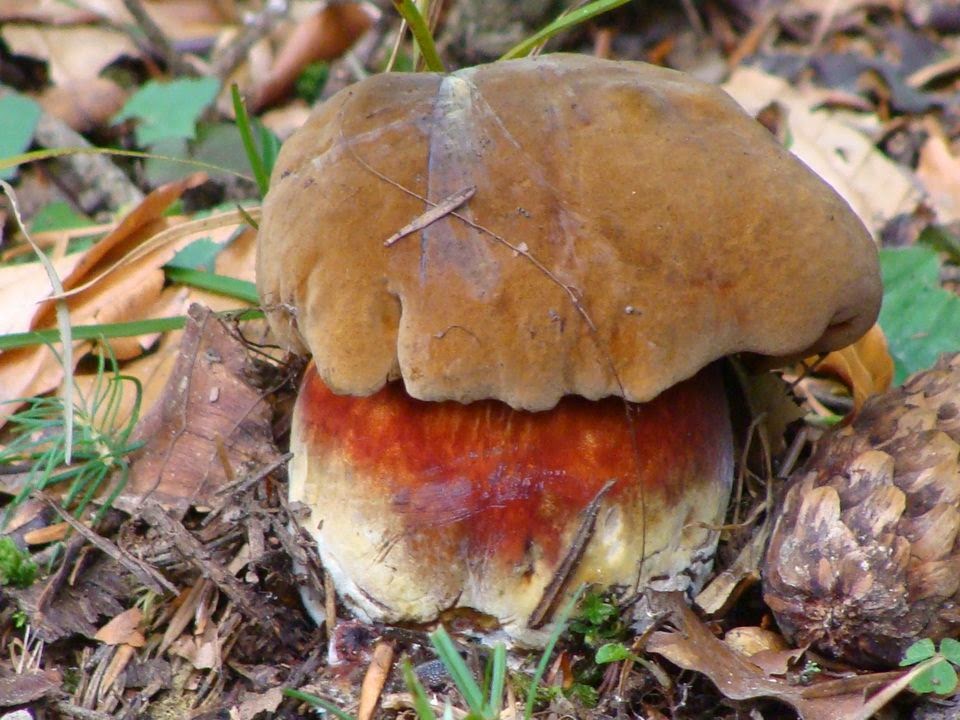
(169, 110)
(939, 678)
(311, 81)
(58, 216)
(950, 649)
(596, 609)
(612, 652)
(918, 652)
(940, 238)
(564, 22)
(198, 255)
(920, 319)
(18, 121)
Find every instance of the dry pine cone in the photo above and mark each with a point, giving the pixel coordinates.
(865, 556)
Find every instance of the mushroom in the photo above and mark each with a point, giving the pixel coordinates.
(515, 281)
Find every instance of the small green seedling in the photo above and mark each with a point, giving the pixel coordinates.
(16, 568)
(940, 676)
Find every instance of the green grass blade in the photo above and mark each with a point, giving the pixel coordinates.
(48, 153)
(220, 284)
(498, 676)
(421, 34)
(560, 624)
(108, 330)
(246, 137)
(564, 22)
(318, 702)
(462, 677)
(420, 702)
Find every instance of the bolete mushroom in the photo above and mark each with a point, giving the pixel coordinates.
(515, 281)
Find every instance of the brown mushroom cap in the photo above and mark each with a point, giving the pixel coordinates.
(628, 194)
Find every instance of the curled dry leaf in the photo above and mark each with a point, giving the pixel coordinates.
(29, 371)
(84, 104)
(71, 53)
(324, 35)
(693, 647)
(866, 367)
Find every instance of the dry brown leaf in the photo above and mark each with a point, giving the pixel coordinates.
(693, 647)
(123, 629)
(23, 287)
(118, 663)
(153, 369)
(834, 144)
(178, 19)
(132, 292)
(255, 703)
(71, 53)
(939, 170)
(85, 104)
(29, 687)
(751, 639)
(323, 35)
(208, 411)
(374, 680)
(866, 367)
(48, 534)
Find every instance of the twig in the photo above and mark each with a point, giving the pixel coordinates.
(157, 39)
(194, 553)
(577, 546)
(150, 577)
(75, 711)
(256, 28)
(93, 181)
(441, 209)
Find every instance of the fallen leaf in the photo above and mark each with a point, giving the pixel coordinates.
(85, 104)
(323, 35)
(72, 53)
(693, 647)
(866, 367)
(255, 703)
(750, 640)
(938, 169)
(834, 145)
(123, 629)
(209, 414)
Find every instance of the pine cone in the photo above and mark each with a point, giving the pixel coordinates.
(865, 556)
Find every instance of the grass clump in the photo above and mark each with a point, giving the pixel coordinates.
(100, 440)
(16, 568)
